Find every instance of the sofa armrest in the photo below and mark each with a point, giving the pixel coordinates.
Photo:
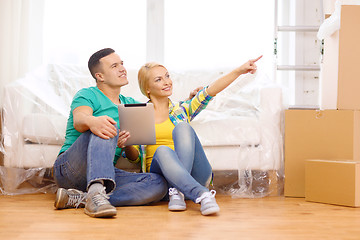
(16, 104)
(270, 118)
(41, 128)
(270, 104)
(29, 121)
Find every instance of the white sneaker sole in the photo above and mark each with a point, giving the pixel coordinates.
(102, 214)
(210, 211)
(177, 208)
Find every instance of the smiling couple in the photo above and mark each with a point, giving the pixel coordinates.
(176, 167)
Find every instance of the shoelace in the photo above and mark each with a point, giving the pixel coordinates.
(174, 193)
(206, 196)
(100, 198)
(75, 199)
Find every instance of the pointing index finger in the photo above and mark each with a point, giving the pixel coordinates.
(255, 60)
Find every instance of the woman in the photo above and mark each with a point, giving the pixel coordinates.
(178, 154)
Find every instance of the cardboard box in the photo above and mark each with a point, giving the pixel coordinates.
(313, 134)
(349, 52)
(334, 182)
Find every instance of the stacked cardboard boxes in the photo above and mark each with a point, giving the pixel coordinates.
(332, 134)
(312, 134)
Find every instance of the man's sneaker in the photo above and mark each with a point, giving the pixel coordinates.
(97, 205)
(208, 203)
(70, 198)
(176, 202)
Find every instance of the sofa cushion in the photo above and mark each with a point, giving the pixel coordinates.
(44, 128)
(239, 158)
(215, 129)
(33, 156)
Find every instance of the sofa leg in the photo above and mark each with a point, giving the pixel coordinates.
(275, 183)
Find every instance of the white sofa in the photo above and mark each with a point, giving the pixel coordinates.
(240, 129)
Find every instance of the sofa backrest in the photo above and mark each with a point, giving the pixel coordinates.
(50, 90)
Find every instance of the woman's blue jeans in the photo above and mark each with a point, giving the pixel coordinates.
(90, 158)
(187, 168)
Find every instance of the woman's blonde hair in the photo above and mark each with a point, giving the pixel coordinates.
(144, 76)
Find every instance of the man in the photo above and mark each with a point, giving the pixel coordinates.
(93, 142)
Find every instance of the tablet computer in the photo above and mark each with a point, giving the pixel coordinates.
(138, 119)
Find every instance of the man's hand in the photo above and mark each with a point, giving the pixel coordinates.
(194, 92)
(123, 137)
(103, 126)
(130, 152)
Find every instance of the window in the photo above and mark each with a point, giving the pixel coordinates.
(299, 49)
(198, 34)
(73, 30)
(216, 34)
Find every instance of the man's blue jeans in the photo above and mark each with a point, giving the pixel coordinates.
(90, 158)
(187, 168)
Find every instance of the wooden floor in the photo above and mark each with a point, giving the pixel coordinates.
(34, 217)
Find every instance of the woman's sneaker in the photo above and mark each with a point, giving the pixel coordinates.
(70, 198)
(176, 202)
(98, 206)
(208, 203)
